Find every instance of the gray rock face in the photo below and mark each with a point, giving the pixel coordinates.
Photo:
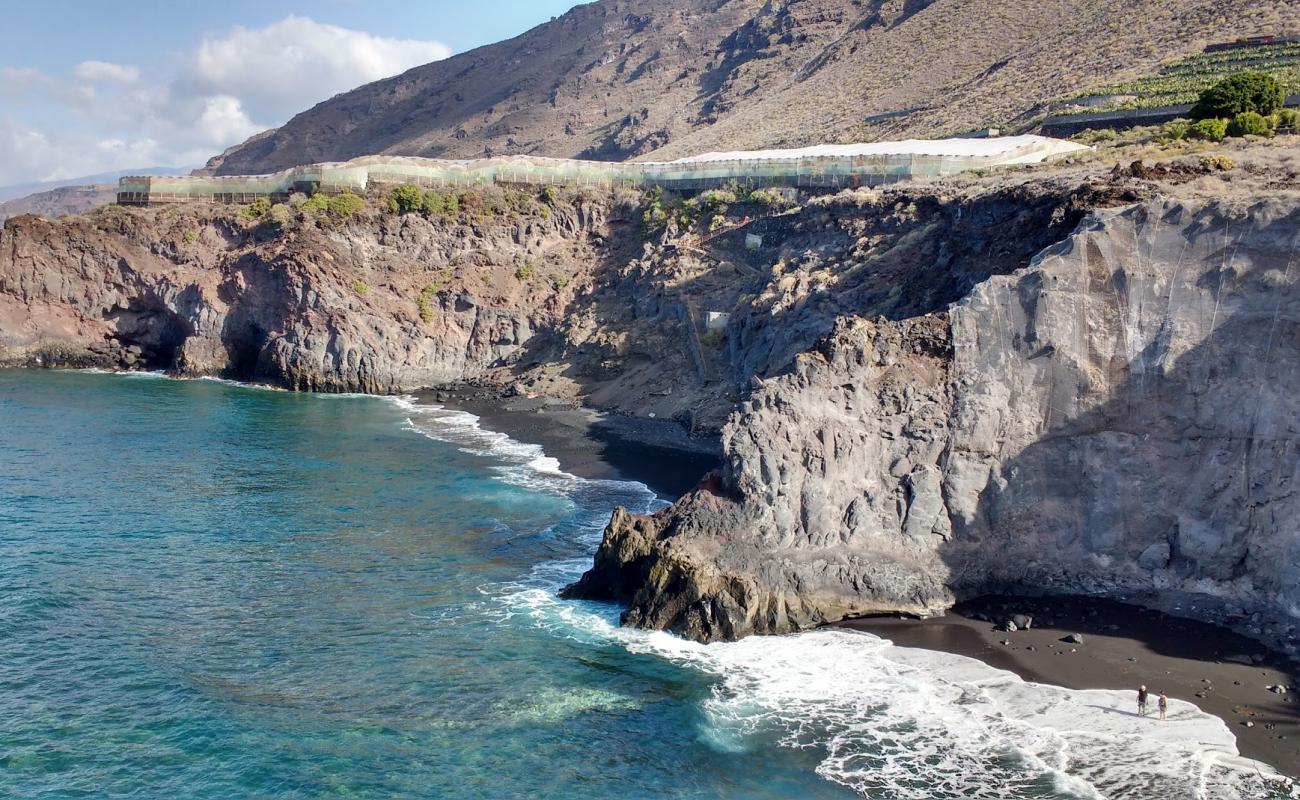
(1120, 418)
(382, 304)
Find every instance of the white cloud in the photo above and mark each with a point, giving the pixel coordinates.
(223, 120)
(297, 62)
(106, 72)
(18, 81)
(111, 116)
(27, 155)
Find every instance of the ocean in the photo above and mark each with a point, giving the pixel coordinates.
(218, 591)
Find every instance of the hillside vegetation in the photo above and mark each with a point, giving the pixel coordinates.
(1183, 80)
(619, 79)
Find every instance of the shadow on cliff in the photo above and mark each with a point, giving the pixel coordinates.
(912, 253)
(907, 253)
(1178, 488)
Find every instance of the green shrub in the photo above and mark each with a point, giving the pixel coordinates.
(317, 204)
(1286, 118)
(339, 206)
(280, 214)
(425, 302)
(1176, 130)
(406, 199)
(558, 282)
(688, 214)
(1249, 123)
(717, 223)
(517, 201)
(257, 210)
(714, 199)
(1210, 130)
(655, 215)
(549, 195)
(769, 198)
(359, 286)
(1245, 91)
(524, 271)
(345, 205)
(190, 237)
(434, 204)
(1219, 163)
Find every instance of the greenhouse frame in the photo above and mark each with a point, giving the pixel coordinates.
(824, 166)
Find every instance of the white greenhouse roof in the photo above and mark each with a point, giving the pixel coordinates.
(1009, 149)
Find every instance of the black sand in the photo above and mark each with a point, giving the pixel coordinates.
(1123, 647)
(594, 445)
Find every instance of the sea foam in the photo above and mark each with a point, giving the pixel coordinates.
(890, 722)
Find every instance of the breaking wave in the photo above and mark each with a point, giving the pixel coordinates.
(889, 722)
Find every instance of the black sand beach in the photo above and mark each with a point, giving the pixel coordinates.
(591, 444)
(1123, 647)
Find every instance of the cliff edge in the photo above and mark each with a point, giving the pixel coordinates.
(1118, 418)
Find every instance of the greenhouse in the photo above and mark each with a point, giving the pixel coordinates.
(822, 166)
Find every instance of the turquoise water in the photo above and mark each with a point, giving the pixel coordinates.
(216, 591)
(209, 591)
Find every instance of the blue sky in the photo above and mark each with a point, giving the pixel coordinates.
(88, 86)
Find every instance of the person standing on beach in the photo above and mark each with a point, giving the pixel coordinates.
(1142, 701)
(1162, 704)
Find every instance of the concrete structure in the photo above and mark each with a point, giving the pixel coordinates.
(823, 166)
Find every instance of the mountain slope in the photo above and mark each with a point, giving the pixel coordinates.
(620, 79)
(60, 202)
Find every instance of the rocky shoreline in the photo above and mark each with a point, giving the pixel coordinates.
(1075, 381)
(588, 443)
(1073, 428)
(1218, 665)
(1122, 646)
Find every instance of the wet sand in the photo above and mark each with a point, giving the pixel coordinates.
(590, 444)
(1123, 647)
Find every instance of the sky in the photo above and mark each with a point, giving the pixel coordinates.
(90, 86)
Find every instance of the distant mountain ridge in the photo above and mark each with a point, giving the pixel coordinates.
(60, 202)
(620, 79)
(18, 190)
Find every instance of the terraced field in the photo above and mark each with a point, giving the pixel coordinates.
(1183, 80)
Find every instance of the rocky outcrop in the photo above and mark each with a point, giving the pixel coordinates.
(924, 393)
(1118, 418)
(379, 304)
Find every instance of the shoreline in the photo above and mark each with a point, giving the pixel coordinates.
(591, 444)
(1124, 646)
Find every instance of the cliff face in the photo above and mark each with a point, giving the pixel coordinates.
(1059, 383)
(1119, 418)
(377, 304)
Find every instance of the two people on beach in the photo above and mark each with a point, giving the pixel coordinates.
(1162, 703)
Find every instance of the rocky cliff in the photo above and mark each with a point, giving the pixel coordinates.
(1076, 380)
(379, 303)
(1119, 417)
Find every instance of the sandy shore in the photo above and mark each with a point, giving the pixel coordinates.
(590, 444)
(1125, 646)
